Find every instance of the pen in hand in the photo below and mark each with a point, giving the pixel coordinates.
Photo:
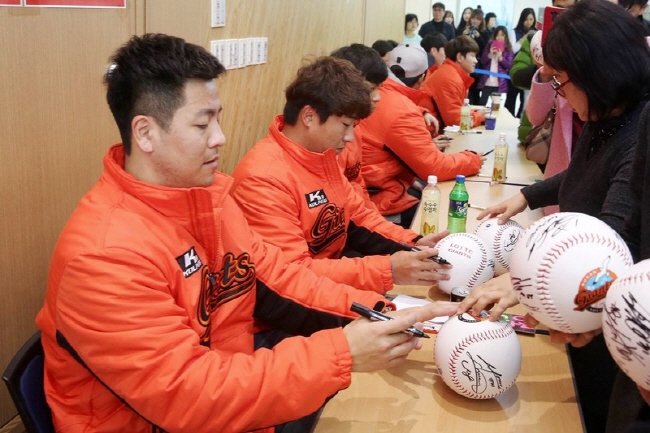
(439, 260)
(488, 152)
(371, 314)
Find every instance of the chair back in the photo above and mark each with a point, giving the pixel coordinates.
(24, 380)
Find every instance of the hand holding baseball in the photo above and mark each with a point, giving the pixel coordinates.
(431, 239)
(416, 268)
(559, 337)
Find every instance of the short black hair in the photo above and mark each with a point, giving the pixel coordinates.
(629, 3)
(460, 44)
(611, 67)
(366, 60)
(147, 76)
(438, 5)
(383, 46)
(408, 18)
(433, 40)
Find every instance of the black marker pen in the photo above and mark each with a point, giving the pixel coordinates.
(371, 314)
(439, 260)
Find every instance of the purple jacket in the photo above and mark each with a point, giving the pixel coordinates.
(504, 67)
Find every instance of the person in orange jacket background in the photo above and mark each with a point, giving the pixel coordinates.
(293, 192)
(397, 148)
(449, 85)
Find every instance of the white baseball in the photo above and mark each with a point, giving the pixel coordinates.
(563, 266)
(626, 322)
(472, 261)
(477, 358)
(502, 238)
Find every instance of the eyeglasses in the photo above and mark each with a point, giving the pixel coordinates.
(557, 86)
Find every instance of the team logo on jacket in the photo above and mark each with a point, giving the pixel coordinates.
(352, 172)
(316, 198)
(235, 278)
(328, 227)
(189, 262)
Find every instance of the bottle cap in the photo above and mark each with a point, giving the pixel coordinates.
(466, 101)
(460, 178)
(502, 135)
(432, 179)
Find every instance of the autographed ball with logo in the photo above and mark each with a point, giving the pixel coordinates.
(626, 322)
(477, 358)
(502, 238)
(472, 260)
(562, 268)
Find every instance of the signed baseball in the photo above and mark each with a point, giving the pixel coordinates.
(472, 261)
(502, 238)
(477, 358)
(626, 322)
(563, 266)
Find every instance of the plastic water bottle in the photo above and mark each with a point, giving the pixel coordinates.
(466, 120)
(458, 204)
(500, 159)
(430, 207)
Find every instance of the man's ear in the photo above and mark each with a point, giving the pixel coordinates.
(459, 57)
(144, 132)
(307, 116)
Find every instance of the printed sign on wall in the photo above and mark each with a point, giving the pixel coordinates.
(77, 3)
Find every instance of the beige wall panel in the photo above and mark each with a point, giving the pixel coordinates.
(253, 95)
(384, 20)
(55, 128)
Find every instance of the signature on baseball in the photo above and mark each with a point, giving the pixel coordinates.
(554, 227)
(631, 317)
(481, 372)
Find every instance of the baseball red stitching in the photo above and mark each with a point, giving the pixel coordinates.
(550, 258)
(463, 344)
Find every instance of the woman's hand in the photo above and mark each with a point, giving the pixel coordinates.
(558, 337)
(506, 209)
(496, 295)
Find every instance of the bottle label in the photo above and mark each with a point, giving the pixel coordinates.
(466, 122)
(430, 207)
(458, 208)
(429, 217)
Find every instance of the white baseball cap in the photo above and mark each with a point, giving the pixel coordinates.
(412, 58)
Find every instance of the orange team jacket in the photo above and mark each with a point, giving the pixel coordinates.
(350, 161)
(397, 148)
(448, 86)
(301, 202)
(149, 311)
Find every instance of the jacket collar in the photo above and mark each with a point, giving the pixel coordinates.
(467, 79)
(178, 203)
(314, 162)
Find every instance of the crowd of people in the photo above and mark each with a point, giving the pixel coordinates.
(182, 299)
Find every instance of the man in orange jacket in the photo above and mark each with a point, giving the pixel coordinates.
(293, 192)
(397, 147)
(449, 84)
(156, 281)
